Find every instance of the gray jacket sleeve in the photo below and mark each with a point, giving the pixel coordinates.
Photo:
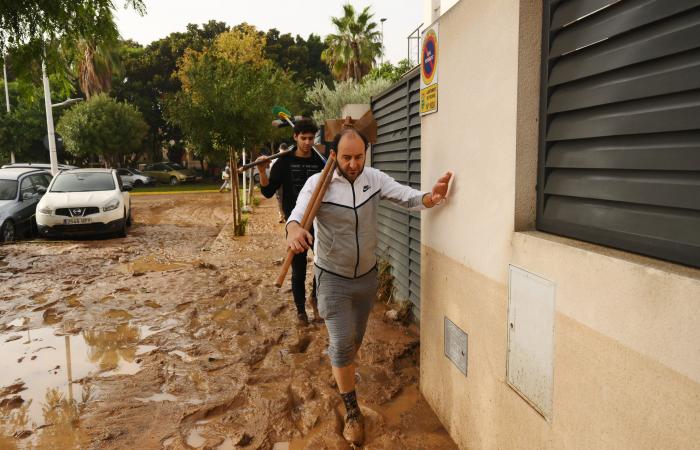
(400, 194)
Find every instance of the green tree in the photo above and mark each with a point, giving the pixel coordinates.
(149, 75)
(97, 59)
(300, 57)
(228, 93)
(390, 72)
(37, 21)
(104, 127)
(354, 47)
(23, 129)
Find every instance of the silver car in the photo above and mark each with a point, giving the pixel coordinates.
(135, 177)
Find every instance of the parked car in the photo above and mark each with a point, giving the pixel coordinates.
(85, 201)
(44, 166)
(135, 177)
(170, 173)
(20, 191)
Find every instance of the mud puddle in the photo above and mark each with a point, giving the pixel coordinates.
(46, 378)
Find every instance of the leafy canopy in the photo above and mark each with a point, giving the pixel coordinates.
(354, 47)
(105, 127)
(228, 92)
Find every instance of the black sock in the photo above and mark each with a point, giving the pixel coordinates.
(351, 406)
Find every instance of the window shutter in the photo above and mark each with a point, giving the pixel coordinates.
(619, 160)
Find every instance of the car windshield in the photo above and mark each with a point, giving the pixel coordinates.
(176, 166)
(83, 182)
(135, 172)
(8, 189)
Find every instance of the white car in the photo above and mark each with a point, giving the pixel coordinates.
(135, 178)
(85, 201)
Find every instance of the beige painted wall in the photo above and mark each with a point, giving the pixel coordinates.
(626, 344)
(606, 395)
(473, 134)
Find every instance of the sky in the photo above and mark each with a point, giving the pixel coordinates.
(301, 17)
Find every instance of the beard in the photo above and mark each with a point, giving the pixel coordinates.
(347, 176)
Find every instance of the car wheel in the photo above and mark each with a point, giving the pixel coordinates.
(173, 181)
(122, 231)
(129, 221)
(7, 233)
(138, 183)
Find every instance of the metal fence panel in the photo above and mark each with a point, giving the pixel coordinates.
(397, 153)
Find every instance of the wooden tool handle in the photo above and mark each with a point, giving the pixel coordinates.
(310, 213)
(245, 167)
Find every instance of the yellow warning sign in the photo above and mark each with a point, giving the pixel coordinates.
(429, 99)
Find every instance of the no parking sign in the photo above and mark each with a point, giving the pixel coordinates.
(429, 71)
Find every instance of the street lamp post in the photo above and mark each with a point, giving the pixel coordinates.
(53, 158)
(51, 134)
(382, 20)
(7, 99)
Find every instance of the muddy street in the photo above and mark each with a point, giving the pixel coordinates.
(176, 338)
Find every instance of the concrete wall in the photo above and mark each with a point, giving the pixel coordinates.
(626, 342)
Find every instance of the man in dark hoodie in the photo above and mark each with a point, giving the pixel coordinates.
(291, 172)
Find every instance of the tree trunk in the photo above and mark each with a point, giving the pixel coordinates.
(357, 71)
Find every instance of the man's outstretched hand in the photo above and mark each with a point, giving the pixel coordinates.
(439, 192)
(298, 239)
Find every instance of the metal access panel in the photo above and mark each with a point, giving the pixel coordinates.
(397, 153)
(619, 159)
(530, 367)
(456, 345)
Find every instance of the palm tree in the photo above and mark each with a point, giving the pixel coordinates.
(96, 57)
(96, 63)
(352, 51)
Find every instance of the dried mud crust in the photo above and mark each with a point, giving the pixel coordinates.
(225, 364)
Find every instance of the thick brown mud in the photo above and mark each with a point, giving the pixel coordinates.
(176, 338)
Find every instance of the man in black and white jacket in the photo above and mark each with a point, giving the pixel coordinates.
(345, 254)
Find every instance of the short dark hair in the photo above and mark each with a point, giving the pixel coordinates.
(305, 125)
(345, 132)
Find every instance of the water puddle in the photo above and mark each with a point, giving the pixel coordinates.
(39, 375)
(195, 440)
(72, 301)
(118, 314)
(151, 264)
(40, 298)
(222, 316)
(160, 397)
(405, 402)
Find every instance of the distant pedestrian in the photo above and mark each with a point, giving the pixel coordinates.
(226, 176)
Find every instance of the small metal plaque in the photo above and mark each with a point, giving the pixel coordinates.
(456, 345)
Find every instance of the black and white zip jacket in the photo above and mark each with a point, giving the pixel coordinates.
(346, 222)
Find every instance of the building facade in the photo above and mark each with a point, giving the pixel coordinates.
(569, 343)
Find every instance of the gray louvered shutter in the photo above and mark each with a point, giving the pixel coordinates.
(619, 160)
(397, 153)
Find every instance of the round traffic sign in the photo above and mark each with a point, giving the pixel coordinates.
(429, 57)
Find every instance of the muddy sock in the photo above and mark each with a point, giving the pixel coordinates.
(351, 406)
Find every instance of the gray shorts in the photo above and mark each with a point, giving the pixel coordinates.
(345, 305)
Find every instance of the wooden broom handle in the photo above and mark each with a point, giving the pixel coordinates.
(245, 167)
(310, 213)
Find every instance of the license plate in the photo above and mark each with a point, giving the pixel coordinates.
(76, 220)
